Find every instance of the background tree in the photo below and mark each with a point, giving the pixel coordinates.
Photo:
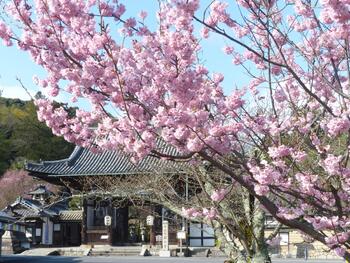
(295, 52)
(23, 137)
(14, 183)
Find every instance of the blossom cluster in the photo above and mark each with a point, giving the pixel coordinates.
(207, 213)
(219, 195)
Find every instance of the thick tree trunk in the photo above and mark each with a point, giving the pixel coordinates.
(255, 218)
(261, 254)
(258, 254)
(261, 257)
(250, 227)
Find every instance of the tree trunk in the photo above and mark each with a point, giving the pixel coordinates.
(261, 257)
(258, 255)
(261, 254)
(255, 218)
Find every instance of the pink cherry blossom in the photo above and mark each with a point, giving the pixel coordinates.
(219, 195)
(210, 214)
(332, 164)
(338, 125)
(278, 152)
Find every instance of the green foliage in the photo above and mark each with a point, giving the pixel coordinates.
(23, 137)
(75, 203)
(218, 243)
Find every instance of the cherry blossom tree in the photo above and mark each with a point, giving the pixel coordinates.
(13, 184)
(288, 129)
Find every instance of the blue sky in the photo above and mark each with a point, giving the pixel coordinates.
(16, 63)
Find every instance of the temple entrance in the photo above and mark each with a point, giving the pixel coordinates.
(129, 225)
(139, 232)
(126, 224)
(120, 225)
(68, 234)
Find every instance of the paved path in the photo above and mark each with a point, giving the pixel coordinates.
(52, 259)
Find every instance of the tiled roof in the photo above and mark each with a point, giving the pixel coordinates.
(73, 215)
(84, 162)
(40, 190)
(26, 213)
(5, 217)
(27, 208)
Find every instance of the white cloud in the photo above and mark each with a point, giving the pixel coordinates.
(16, 92)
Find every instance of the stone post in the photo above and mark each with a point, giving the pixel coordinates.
(165, 252)
(84, 223)
(1, 233)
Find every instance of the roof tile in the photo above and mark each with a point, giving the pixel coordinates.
(84, 162)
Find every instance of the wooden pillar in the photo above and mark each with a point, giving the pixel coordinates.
(122, 224)
(152, 236)
(158, 219)
(109, 228)
(62, 234)
(33, 226)
(84, 223)
(156, 229)
(126, 223)
(1, 233)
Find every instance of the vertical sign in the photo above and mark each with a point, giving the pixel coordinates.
(165, 232)
(108, 220)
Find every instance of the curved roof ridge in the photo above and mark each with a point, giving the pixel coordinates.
(78, 150)
(70, 160)
(83, 162)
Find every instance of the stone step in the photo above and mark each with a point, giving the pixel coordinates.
(207, 252)
(39, 251)
(115, 251)
(112, 254)
(76, 251)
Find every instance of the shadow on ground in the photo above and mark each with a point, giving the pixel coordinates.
(38, 259)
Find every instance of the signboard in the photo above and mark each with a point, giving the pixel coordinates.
(57, 227)
(108, 220)
(159, 238)
(165, 232)
(29, 233)
(181, 235)
(150, 220)
(284, 239)
(38, 232)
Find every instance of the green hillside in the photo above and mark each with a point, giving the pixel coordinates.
(23, 137)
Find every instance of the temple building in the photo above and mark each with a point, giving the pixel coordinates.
(105, 221)
(47, 222)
